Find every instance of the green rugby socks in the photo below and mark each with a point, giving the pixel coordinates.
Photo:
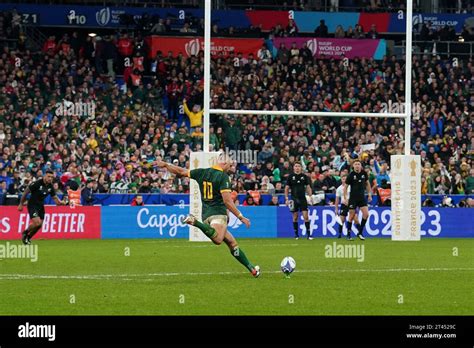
(205, 228)
(242, 258)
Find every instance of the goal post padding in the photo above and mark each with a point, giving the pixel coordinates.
(198, 160)
(405, 178)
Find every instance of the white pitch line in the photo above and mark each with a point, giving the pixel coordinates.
(213, 246)
(171, 274)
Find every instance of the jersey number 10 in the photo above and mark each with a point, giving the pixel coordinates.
(207, 190)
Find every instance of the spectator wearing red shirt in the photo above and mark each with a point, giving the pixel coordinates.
(125, 50)
(137, 201)
(173, 91)
(64, 45)
(125, 46)
(50, 45)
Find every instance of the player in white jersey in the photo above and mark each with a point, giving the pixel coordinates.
(344, 201)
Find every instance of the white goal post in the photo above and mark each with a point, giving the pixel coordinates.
(406, 170)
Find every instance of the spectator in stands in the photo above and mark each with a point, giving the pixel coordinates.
(15, 183)
(283, 54)
(76, 43)
(110, 55)
(274, 201)
(457, 184)
(372, 33)
(98, 54)
(428, 202)
(3, 192)
(306, 53)
(382, 173)
(87, 193)
(49, 45)
(270, 189)
(350, 32)
(159, 27)
(294, 51)
(447, 203)
(291, 29)
(195, 115)
(137, 201)
(174, 91)
(339, 33)
(89, 48)
(124, 47)
(249, 201)
(322, 29)
(264, 54)
(358, 32)
(470, 182)
(187, 29)
(384, 193)
(441, 185)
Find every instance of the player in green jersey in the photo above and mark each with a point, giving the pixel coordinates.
(214, 184)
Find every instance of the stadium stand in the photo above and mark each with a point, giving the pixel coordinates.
(137, 117)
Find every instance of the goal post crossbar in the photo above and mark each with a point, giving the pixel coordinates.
(408, 76)
(307, 113)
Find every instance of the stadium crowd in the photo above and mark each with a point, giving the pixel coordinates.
(65, 109)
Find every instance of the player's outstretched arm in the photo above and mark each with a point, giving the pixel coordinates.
(172, 168)
(226, 197)
(23, 198)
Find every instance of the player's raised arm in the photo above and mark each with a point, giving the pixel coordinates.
(227, 198)
(172, 168)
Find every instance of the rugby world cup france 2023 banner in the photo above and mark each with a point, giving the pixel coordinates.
(406, 199)
(336, 48)
(191, 46)
(434, 222)
(59, 223)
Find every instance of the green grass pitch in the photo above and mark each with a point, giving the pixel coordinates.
(177, 277)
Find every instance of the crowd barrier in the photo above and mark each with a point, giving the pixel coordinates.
(180, 199)
(306, 21)
(266, 222)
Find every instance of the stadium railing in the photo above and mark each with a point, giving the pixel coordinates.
(321, 5)
(447, 48)
(180, 199)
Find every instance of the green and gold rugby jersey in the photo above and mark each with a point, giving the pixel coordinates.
(212, 182)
